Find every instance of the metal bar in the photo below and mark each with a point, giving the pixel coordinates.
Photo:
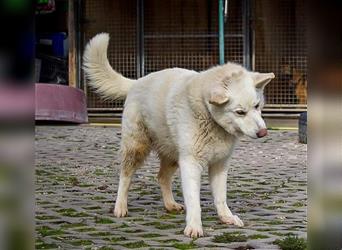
(72, 44)
(221, 31)
(286, 105)
(137, 40)
(81, 33)
(140, 39)
(246, 33)
(190, 36)
(104, 109)
(79, 41)
(252, 33)
(283, 110)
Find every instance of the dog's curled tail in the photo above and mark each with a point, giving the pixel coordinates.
(101, 76)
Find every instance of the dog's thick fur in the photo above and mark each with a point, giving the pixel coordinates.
(192, 120)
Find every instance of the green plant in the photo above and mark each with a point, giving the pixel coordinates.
(230, 237)
(292, 242)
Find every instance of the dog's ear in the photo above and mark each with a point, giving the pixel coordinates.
(261, 79)
(218, 96)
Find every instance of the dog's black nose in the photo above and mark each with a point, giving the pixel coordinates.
(262, 132)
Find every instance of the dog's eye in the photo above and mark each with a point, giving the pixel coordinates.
(240, 112)
(256, 106)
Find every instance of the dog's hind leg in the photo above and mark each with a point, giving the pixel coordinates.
(166, 171)
(218, 183)
(135, 146)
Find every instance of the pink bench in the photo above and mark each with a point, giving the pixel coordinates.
(60, 103)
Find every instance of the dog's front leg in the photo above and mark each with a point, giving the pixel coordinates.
(218, 183)
(191, 178)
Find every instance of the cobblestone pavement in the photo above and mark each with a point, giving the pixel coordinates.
(77, 172)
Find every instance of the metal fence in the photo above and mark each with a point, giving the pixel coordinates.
(280, 46)
(185, 34)
(150, 35)
(118, 18)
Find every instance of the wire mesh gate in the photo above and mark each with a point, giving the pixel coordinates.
(118, 18)
(280, 46)
(150, 35)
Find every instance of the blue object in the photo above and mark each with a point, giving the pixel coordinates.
(57, 42)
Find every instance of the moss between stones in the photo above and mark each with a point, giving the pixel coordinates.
(60, 178)
(92, 208)
(230, 237)
(40, 172)
(211, 218)
(246, 247)
(82, 242)
(292, 242)
(280, 201)
(298, 204)
(116, 239)
(266, 229)
(273, 207)
(150, 235)
(190, 245)
(96, 198)
(86, 229)
(103, 220)
(123, 225)
(296, 228)
(242, 211)
(74, 181)
(105, 248)
(86, 185)
(133, 231)
(258, 236)
(101, 234)
(46, 231)
(274, 222)
(73, 225)
(265, 196)
(167, 216)
(42, 245)
(145, 193)
(59, 136)
(43, 202)
(99, 172)
(46, 217)
(70, 212)
(161, 226)
(175, 212)
(136, 209)
(137, 244)
(246, 195)
(279, 234)
(168, 241)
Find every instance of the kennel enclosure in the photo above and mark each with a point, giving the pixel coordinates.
(150, 35)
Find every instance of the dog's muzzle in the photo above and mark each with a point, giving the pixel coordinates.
(262, 132)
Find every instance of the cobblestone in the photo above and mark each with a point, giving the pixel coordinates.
(77, 172)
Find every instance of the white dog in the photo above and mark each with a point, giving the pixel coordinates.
(191, 119)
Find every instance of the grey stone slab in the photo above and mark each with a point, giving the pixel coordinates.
(77, 174)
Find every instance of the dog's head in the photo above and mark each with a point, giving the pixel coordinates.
(235, 102)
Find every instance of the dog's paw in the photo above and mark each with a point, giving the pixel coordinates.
(232, 220)
(174, 207)
(193, 231)
(120, 210)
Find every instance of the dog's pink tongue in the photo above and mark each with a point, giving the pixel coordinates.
(262, 132)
